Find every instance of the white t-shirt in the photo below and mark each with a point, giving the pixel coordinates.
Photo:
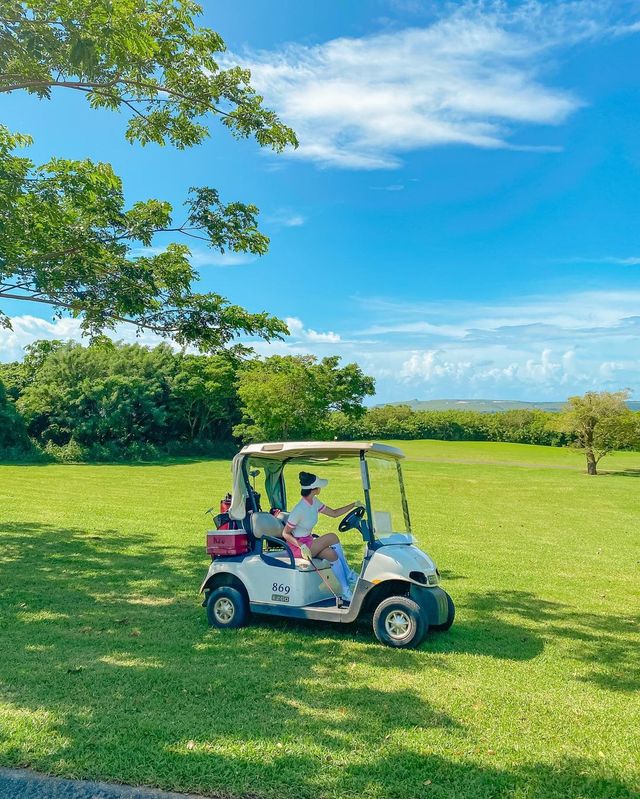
(304, 517)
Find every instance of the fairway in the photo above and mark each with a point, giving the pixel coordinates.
(109, 671)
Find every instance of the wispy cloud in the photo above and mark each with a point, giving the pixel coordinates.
(390, 187)
(206, 258)
(537, 347)
(475, 76)
(633, 260)
(202, 258)
(543, 347)
(573, 312)
(286, 218)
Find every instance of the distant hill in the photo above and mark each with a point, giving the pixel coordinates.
(487, 406)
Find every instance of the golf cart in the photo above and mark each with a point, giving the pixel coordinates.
(253, 568)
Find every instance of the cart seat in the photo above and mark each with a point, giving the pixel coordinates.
(264, 524)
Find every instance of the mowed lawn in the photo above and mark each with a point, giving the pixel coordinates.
(108, 669)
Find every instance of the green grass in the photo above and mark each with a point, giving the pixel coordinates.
(109, 671)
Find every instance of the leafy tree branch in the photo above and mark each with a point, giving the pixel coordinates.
(148, 56)
(67, 240)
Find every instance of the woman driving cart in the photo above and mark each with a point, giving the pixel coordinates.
(299, 528)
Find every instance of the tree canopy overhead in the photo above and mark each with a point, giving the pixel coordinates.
(145, 56)
(67, 238)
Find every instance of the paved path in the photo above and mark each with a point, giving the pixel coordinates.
(25, 784)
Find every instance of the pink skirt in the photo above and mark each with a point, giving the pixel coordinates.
(304, 539)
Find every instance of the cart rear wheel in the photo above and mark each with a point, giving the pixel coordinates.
(399, 621)
(227, 607)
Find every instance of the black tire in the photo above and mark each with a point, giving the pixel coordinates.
(399, 622)
(227, 608)
(451, 614)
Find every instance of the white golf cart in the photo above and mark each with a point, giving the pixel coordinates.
(398, 583)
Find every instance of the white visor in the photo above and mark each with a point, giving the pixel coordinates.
(319, 482)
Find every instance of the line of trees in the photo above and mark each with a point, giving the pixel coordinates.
(110, 401)
(401, 422)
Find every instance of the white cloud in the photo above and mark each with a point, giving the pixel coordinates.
(27, 329)
(286, 218)
(472, 77)
(428, 365)
(301, 334)
(542, 347)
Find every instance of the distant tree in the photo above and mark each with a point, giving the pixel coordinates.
(204, 396)
(600, 422)
(67, 238)
(526, 426)
(17, 375)
(402, 422)
(13, 435)
(12, 377)
(291, 397)
(100, 395)
(36, 353)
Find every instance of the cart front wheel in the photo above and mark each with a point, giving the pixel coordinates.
(451, 614)
(399, 621)
(227, 608)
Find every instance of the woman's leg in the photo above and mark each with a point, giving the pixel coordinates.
(321, 547)
(351, 574)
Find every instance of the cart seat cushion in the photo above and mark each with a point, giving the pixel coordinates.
(266, 524)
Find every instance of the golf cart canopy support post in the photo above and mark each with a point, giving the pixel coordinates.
(286, 451)
(366, 485)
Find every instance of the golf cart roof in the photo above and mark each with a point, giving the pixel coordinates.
(287, 450)
(322, 450)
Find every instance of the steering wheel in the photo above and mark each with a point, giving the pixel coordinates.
(351, 519)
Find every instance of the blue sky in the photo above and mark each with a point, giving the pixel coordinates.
(462, 215)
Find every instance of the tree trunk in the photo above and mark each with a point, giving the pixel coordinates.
(591, 462)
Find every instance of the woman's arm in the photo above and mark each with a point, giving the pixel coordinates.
(288, 537)
(335, 512)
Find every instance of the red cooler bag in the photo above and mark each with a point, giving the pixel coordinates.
(227, 542)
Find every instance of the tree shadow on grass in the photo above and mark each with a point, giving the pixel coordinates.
(406, 773)
(112, 674)
(623, 473)
(606, 643)
(112, 663)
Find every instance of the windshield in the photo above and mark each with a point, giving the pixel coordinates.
(388, 503)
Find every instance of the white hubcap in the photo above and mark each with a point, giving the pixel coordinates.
(224, 610)
(397, 624)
